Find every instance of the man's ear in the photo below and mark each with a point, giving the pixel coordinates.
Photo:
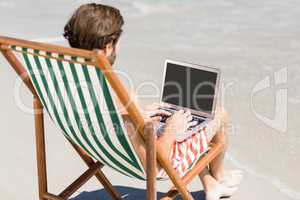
(108, 49)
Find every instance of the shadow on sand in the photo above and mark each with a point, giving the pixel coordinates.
(127, 193)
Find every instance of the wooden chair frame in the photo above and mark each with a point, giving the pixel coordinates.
(155, 153)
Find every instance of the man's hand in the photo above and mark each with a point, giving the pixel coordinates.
(179, 122)
(154, 112)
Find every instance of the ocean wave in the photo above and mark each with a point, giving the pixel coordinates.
(7, 4)
(152, 7)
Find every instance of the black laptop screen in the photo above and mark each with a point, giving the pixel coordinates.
(189, 87)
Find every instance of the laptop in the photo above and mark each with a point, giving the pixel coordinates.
(190, 87)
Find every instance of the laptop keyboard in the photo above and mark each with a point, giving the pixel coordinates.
(195, 118)
(198, 119)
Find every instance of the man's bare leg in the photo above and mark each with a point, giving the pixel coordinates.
(213, 189)
(213, 177)
(219, 131)
(208, 181)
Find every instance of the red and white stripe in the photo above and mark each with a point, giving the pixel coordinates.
(187, 152)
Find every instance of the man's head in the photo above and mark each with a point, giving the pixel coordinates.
(95, 26)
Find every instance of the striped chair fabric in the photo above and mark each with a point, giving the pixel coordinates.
(78, 99)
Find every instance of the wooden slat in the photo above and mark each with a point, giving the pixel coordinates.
(99, 174)
(151, 161)
(215, 150)
(46, 47)
(56, 58)
(19, 68)
(49, 196)
(80, 181)
(40, 147)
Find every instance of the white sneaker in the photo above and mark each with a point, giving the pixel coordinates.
(234, 178)
(220, 191)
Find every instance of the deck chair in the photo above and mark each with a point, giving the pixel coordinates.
(75, 88)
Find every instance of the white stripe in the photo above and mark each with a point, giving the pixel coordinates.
(55, 55)
(58, 106)
(30, 50)
(198, 146)
(69, 107)
(83, 119)
(19, 48)
(204, 140)
(104, 111)
(79, 59)
(93, 118)
(183, 149)
(44, 93)
(190, 154)
(42, 53)
(127, 136)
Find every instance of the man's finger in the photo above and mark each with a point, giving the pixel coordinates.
(154, 113)
(181, 111)
(163, 112)
(164, 105)
(187, 114)
(192, 123)
(189, 118)
(157, 118)
(150, 113)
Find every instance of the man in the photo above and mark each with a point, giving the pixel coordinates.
(96, 26)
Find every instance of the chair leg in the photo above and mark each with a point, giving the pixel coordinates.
(150, 161)
(171, 194)
(180, 187)
(176, 180)
(40, 148)
(80, 181)
(99, 174)
(41, 158)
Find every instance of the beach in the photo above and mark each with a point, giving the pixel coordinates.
(254, 43)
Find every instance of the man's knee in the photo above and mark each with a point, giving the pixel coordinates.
(222, 116)
(217, 128)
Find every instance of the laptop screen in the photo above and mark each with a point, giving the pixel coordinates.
(189, 87)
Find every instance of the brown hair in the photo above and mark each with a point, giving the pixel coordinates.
(93, 26)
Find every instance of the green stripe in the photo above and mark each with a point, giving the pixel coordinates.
(101, 121)
(56, 115)
(57, 89)
(115, 118)
(83, 103)
(33, 78)
(52, 104)
(77, 118)
(75, 112)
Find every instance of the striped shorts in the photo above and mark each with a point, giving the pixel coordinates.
(186, 153)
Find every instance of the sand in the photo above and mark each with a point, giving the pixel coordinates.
(254, 43)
